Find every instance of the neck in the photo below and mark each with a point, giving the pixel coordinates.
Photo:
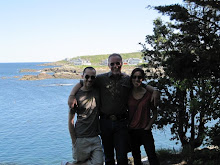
(116, 76)
(137, 89)
(86, 88)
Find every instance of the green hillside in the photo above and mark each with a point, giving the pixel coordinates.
(96, 59)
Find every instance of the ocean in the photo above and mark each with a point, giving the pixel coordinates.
(33, 119)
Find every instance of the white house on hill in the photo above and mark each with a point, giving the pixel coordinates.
(80, 61)
(104, 62)
(132, 61)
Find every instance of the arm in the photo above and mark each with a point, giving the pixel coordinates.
(155, 95)
(152, 120)
(72, 127)
(72, 100)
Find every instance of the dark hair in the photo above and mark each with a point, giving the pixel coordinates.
(89, 67)
(138, 70)
(114, 54)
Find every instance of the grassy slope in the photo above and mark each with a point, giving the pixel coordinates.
(96, 59)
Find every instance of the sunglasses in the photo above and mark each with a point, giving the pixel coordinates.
(139, 77)
(87, 77)
(113, 63)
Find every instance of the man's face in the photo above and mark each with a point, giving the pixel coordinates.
(115, 64)
(89, 78)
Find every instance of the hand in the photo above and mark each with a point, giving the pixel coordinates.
(155, 97)
(73, 103)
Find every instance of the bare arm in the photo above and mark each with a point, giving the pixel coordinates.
(155, 95)
(152, 120)
(72, 127)
(72, 100)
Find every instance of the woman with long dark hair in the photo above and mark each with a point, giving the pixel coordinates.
(142, 115)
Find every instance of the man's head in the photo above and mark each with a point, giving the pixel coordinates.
(89, 75)
(115, 63)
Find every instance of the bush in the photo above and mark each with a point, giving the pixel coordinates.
(214, 135)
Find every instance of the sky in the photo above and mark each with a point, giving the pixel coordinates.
(52, 30)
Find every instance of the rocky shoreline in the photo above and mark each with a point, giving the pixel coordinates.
(60, 71)
(63, 71)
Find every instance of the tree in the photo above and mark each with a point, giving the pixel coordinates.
(185, 66)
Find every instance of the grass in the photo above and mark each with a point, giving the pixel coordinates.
(200, 157)
(169, 156)
(96, 59)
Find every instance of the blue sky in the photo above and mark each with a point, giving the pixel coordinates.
(51, 30)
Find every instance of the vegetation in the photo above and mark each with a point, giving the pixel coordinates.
(202, 157)
(214, 135)
(96, 59)
(187, 48)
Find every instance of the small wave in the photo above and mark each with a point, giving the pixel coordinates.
(51, 85)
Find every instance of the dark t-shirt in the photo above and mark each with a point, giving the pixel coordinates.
(87, 123)
(114, 93)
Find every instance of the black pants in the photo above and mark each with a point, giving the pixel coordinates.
(140, 137)
(114, 136)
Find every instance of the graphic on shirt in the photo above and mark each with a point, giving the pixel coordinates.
(88, 104)
(114, 89)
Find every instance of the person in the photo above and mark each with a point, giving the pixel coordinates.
(140, 120)
(87, 148)
(114, 88)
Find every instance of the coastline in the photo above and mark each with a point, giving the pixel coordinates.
(61, 70)
(64, 70)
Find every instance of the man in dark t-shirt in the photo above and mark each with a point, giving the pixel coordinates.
(85, 132)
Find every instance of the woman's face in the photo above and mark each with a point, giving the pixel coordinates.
(137, 79)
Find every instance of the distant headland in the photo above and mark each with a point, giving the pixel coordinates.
(71, 68)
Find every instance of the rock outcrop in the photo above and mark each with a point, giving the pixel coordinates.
(60, 69)
(59, 75)
(67, 75)
(28, 70)
(63, 72)
(40, 76)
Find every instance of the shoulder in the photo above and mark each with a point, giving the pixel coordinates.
(125, 76)
(103, 75)
(102, 78)
(126, 80)
(147, 94)
(79, 93)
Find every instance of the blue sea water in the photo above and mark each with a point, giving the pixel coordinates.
(33, 119)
